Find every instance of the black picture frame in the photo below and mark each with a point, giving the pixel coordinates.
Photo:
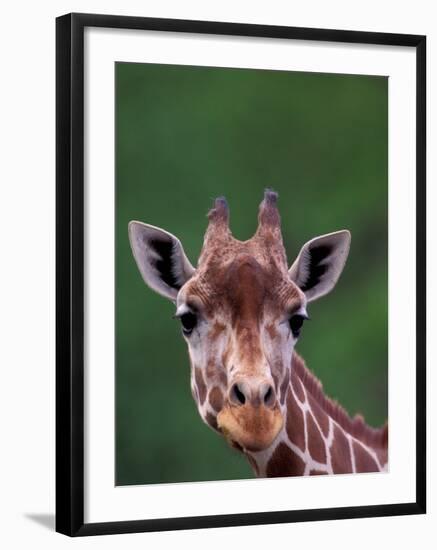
(70, 273)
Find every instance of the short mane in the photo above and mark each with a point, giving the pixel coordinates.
(356, 426)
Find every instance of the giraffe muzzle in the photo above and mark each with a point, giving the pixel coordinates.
(251, 428)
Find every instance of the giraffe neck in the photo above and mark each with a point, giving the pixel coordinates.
(318, 437)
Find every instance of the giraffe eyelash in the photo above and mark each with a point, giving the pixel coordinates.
(181, 310)
(296, 322)
(301, 312)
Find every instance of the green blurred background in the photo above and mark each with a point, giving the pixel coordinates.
(185, 135)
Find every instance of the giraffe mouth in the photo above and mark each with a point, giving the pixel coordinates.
(250, 428)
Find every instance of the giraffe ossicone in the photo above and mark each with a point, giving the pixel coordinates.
(241, 310)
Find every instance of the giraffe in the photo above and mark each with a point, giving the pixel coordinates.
(242, 310)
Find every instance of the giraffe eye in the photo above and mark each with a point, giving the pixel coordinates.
(188, 321)
(296, 322)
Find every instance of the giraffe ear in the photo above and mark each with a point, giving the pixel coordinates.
(160, 258)
(320, 262)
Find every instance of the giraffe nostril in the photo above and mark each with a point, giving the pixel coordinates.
(256, 394)
(268, 395)
(237, 396)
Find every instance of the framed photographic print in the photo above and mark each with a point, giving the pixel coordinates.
(240, 274)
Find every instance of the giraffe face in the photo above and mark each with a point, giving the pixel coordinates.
(241, 311)
(241, 321)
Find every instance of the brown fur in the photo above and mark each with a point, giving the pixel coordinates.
(216, 330)
(316, 444)
(212, 421)
(374, 437)
(200, 383)
(284, 387)
(297, 386)
(295, 424)
(285, 463)
(340, 454)
(216, 398)
(321, 417)
(272, 331)
(363, 461)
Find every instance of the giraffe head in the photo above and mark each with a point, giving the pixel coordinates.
(241, 312)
